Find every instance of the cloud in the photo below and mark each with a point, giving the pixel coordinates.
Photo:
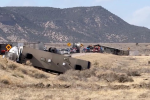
(141, 17)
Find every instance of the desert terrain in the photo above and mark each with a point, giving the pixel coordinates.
(110, 77)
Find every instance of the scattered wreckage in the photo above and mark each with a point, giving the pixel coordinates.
(53, 59)
(104, 49)
(4, 47)
(115, 51)
(47, 60)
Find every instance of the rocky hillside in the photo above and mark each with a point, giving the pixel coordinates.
(84, 24)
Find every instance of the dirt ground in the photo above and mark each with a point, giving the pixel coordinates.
(110, 77)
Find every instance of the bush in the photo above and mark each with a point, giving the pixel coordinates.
(24, 71)
(39, 75)
(98, 74)
(144, 70)
(28, 63)
(110, 76)
(5, 80)
(96, 63)
(132, 58)
(2, 67)
(33, 73)
(145, 85)
(124, 78)
(12, 66)
(17, 74)
(133, 73)
(36, 74)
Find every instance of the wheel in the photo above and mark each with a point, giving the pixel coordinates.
(49, 50)
(54, 50)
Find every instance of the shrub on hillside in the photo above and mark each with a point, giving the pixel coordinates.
(5, 80)
(2, 66)
(12, 66)
(133, 73)
(97, 73)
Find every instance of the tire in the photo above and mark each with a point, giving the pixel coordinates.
(54, 50)
(29, 56)
(49, 50)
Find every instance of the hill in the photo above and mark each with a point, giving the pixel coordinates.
(16, 27)
(84, 24)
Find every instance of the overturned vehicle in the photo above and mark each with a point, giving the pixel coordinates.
(104, 49)
(48, 61)
(115, 51)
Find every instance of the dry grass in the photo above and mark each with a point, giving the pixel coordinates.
(20, 74)
(100, 74)
(28, 63)
(133, 73)
(5, 79)
(110, 77)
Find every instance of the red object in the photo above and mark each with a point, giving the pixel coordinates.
(96, 49)
(3, 51)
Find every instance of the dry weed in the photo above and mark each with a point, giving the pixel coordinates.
(140, 54)
(48, 97)
(144, 70)
(144, 85)
(39, 75)
(5, 80)
(110, 76)
(146, 54)
(131, 58)
(144, 95)
(2, 66)
(18, 74)
(35, 73)
(133, 73)
(96, 63)
(148, 62)
(124, 78)
(24, 71)
(93, 79)
(118, 70)
(28, 63)
(39, 85)
(97, 74)
(12, 66)
(32, 72)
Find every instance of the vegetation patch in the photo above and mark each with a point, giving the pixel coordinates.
(18, 74)
(12, 66)
(96, 63)
(2, 66)
(28, 63)
(34, 73)
(97, 73)
(133, 73)
(5, 80)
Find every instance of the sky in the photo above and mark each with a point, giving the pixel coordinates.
(136, 12)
